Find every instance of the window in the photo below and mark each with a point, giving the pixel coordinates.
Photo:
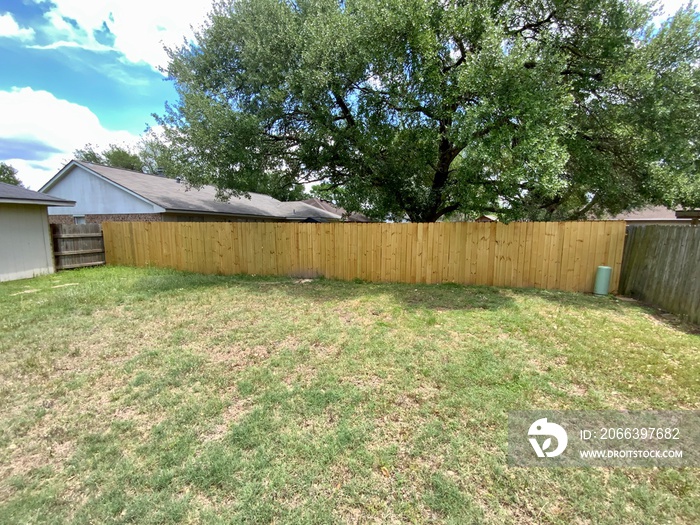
(79, 219)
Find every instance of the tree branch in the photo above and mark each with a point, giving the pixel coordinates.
(462, 57)
(446, 209)
(580, 214)
(385, 95)
(598, 77)
(533, 26)
(347, 115)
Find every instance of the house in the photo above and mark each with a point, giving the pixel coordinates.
(652, 215)
(692, 215)
(337, 210)
(25, 240)
(103, 194)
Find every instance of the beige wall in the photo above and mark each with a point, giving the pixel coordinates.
(25, 242)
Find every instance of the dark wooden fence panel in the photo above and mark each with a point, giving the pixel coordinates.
(661, 265)
(77, 245)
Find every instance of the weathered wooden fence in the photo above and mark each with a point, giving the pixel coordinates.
(541, 255)
(77, 245)
(661, 265)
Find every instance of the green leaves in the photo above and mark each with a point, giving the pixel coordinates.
(8, 175)
(115, 156)
(416, 109)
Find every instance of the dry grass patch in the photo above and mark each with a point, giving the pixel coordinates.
(152, 396)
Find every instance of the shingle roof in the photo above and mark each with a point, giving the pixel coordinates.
(17, 194)
(332, 208)
(658, 213)
(173, 196)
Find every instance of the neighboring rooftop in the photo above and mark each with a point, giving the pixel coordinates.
(174, 196)
(337, 210)
(10, 194)
(694, 215)
(649, 214)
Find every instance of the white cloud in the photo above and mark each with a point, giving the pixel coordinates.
(140, 28)
(39, 117)
(665, 8)
(64, 34)
(90, 46)
(10, 28)
(670, 7)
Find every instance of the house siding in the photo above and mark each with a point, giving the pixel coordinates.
(95, 196)
(25, 242)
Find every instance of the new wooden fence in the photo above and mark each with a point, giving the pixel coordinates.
(541, 255)
(77, 245)
(662, 266)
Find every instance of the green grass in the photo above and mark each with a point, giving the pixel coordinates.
(153, 396)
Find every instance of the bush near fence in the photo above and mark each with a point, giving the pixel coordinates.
(662, 266)
(542, 255)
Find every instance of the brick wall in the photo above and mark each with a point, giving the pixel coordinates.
(61, 219)
(127, 217)
(158, 217)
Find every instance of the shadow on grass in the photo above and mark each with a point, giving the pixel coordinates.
(105, 284)
(410, 296)
(117, 284)
(447, 296)
(664, 316)
(574, 299)
(616, 304)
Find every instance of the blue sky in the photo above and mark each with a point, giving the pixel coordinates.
(79, 71)
(74, 72)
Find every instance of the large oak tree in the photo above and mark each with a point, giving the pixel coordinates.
(539, 109)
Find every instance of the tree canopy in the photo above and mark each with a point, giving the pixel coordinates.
(544, 109)
(150, 155)
(8, 175)
(115, 156)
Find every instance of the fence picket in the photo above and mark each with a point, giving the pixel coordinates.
(661, 265)
(543, 255)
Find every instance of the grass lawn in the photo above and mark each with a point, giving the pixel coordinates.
(153, 396)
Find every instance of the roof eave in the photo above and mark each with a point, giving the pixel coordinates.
(56, 178)
(38, 202)
(688, 214)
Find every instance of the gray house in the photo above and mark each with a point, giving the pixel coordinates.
(25, 240)
(104, 194)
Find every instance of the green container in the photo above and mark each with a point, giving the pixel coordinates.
(602, 280)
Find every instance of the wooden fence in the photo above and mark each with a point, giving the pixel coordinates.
(662, 266)
(77, 245)
(542, 255)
